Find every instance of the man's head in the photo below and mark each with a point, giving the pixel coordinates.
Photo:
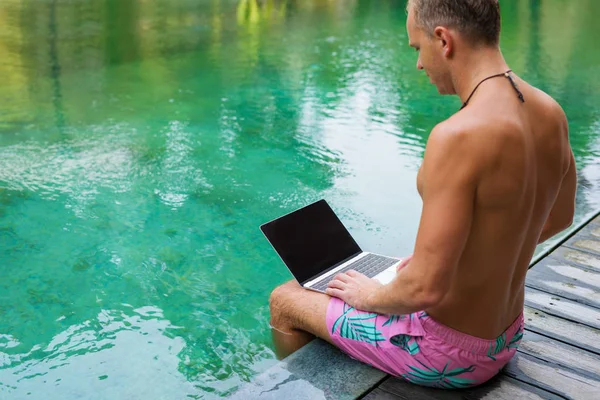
(438, 29)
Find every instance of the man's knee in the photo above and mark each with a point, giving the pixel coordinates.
(294, 308)
(282, 299)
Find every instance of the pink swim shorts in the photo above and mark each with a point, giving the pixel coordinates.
(420, 349)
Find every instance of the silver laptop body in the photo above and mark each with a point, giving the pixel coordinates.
(315, 246)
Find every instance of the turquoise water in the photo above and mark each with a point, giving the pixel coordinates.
(143, 142)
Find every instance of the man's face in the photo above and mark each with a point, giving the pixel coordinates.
(430, 58)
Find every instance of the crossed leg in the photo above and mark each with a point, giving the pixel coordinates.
(297, 316)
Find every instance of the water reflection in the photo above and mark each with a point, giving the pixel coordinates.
(55, 67)
(111, 355)
(143, 142)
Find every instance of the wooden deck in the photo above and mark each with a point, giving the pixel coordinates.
(559, 357)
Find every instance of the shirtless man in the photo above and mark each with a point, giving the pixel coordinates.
(497, 178)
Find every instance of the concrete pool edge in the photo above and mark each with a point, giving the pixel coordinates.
(316, 371)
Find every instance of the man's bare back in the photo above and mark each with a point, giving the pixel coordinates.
(521, 155)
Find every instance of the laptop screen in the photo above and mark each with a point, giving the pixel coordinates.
(310, 240)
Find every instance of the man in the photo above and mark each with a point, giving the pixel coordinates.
(498, 177)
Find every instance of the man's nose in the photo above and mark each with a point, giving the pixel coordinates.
(419, 65)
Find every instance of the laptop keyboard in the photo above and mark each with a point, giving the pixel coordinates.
(370, 265)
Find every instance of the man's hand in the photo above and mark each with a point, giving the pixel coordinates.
(354, 288)
(404, 262)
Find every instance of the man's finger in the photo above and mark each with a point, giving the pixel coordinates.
(341, 277)
(400, 266)
(333, 292)
(356, 275)
(336, 284)
(403, 263)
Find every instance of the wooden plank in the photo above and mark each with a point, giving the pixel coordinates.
(378, 394)
(586, 242)
(398, 389)
(587, 238)
(574, 333)
(506, 388)
(566, 280)
(561, 307)
(552, 378)
(594, 229)
(499, 388)
(576, 257)
(564, 355)
(591, 230)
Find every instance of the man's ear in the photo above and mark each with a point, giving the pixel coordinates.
(445, 40)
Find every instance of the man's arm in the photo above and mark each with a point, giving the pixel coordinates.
(450, 180)
(561, 215)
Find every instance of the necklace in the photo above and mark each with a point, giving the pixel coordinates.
(505, 74)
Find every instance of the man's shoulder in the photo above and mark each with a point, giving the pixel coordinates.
(467, 137)
(452, 139)
(549, 106)
(547, 100)
(453, 149)
(458, 130)
(446, 133)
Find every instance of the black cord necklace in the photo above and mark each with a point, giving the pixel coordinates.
(505, 74)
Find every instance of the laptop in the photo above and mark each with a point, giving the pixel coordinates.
(315, 246)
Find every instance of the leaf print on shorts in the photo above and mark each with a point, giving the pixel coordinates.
(444, 379)
(358, 325)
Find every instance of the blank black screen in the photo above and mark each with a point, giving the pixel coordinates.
(310, 240)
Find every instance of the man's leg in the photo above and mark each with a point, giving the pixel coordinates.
(297, 316)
